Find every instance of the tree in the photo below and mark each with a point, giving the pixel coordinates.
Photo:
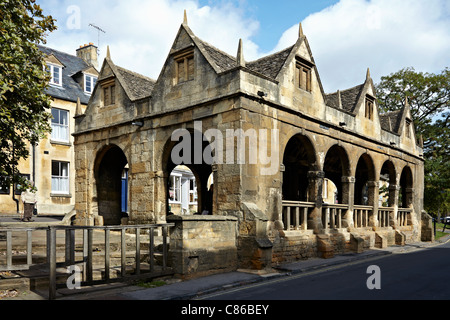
(428, 96)
(23, 102)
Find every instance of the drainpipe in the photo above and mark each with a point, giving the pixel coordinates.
(14, 187)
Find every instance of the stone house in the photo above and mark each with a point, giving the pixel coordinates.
(269, 136)
(51, 163)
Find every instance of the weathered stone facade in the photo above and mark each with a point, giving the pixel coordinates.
(303, 138)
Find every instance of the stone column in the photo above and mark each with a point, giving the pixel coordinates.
(315, 185)
(393, 202)
(373, 195)
(348, 196)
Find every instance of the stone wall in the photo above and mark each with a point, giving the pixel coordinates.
(202, 244)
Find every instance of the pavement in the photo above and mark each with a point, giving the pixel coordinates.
(177, 289)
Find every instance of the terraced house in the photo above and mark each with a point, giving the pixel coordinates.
(330, 174)
(51, 162)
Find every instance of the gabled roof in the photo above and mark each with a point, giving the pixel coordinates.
(270, 65)
(390, 121)
(70, 89)
(345, 99)
(136, 86)
(221, 61)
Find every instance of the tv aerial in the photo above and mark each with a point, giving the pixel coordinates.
(98, 35)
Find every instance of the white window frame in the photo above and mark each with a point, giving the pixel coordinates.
(93, 81)
(51, 70)
(193, 191)
(60, 131)
(174, 177)
(61, 181)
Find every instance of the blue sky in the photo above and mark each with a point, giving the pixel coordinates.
(346, 36)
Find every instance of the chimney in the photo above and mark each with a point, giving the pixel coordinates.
(88, 53)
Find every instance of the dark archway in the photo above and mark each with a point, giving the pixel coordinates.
(406, 185)
(364, 173)
(109, 167)
(336, 166)
(298, 159)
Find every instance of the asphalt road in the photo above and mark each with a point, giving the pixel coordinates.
(418, 275)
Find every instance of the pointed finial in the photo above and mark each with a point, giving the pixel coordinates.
(368, 74)
(185, 22)
(240, 55)
(108, 54)
(78, 110)
(339, 99)
(300, 30)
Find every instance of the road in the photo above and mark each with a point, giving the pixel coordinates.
(423, 274)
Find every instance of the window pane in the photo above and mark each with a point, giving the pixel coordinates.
(64, 117)
(88, 84)
(55, 168)
(55, 114)
(56, 74)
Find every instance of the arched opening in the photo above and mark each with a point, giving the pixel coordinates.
(406, 185)
(183, 198)
(112, 185)
(387, 183)
(298, 160)
(188, 185)
(364, 173)
(336, 166)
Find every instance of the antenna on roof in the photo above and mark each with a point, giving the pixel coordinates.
(98, 35)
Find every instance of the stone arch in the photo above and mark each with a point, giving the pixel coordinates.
(196, 164)
(108, 167)
(299, 158)
(336, 167)
(388, 183)
(364, 173)
(406, 188)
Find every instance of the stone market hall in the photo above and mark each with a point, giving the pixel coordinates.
(347, 177)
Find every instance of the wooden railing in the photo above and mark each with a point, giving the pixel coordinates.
(295, 214)
(384, 214)
(361, 215)
(77, 253)
(332, 215)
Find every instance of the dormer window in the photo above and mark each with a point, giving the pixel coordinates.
(303, 74)
(55, 73)
(184, 65)
(89, 83)
(369, 106)
(109, 93)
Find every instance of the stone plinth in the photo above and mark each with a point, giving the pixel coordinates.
(202, 244)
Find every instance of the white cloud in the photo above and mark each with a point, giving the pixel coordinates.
(384, 35)
(346, 38)
(140, 33)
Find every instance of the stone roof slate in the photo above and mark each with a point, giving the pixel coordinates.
(270, 65)
(349, 98)
(390, 121)
(70, 89)
(139, 86)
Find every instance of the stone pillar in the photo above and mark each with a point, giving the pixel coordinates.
(348, 197)
(315, 184)
(373, 194)
(393, 202)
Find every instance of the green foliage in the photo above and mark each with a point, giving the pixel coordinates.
(428, 96)
(23, 102)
